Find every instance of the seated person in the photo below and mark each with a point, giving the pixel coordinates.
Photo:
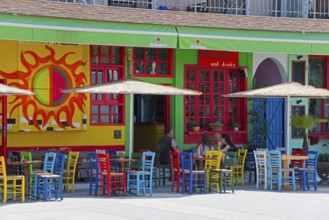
(205, 145)
(217, 141)
(166, 144)
(227, 144)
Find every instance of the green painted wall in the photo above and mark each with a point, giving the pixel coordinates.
(182, 57)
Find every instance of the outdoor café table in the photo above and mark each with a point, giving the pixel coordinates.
(123, 163)
(201, 161)
(285, 164)
(26, 171)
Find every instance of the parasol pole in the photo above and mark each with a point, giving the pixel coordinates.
(287, 124)
(131, 124)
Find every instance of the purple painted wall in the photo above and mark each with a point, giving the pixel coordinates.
(267, 74)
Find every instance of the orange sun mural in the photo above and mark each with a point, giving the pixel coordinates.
(46, 76)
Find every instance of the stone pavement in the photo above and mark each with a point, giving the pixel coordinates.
(245, 203)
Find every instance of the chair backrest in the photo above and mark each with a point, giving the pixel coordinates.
(312, 161)
(113, 154)
(231, 159)
(274, 160)
(3, 172)
(93, 163)
(186, 161)
(174, 161)
(297, 163)
(136, 165)
(26, 156)
(213, 164)
(250, 161)
(242, 154)
(148, 161)
(72, 160)
(49, 162)
(260, 159)
(59, 164)
(104, 164)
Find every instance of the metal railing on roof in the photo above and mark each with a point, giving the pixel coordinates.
(271, 8)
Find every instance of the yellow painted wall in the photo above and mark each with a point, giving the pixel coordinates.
(20, 63)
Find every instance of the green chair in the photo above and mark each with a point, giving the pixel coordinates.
(27, 156)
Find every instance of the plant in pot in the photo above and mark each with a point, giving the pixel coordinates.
(236, 126)
(196, 127)
(305, 123)
(216, 126)
(323, 167)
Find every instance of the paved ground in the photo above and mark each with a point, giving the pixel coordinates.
(245, 203)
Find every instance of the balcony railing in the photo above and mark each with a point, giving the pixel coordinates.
(272, 8)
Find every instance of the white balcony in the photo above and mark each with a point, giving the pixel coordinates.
(273, 8)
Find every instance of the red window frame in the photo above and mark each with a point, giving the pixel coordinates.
(322, 130)
(211, 106)
(106, 109)
(145, 64)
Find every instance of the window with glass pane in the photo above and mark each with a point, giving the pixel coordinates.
(317, 78)
(152, 61)
(211, 106)
(106, 109)
(106, 55)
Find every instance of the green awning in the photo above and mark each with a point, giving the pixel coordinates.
(253, 41)
(56, 30)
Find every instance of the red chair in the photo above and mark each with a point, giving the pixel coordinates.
(110, 181)
(297, 163)
(175, 170)
(142, 150)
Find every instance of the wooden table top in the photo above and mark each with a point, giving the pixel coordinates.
(204, 158)
(17, 163)
(294, 157)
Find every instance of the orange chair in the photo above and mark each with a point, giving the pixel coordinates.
(110, 181)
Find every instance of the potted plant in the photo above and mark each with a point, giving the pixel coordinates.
(305, 123)
(216, 126)
(236, 126)
(323, 167)
(196, 127)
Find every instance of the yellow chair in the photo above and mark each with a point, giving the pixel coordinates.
(239, 168)
(69, 172)
(10, 184)
(212, 164)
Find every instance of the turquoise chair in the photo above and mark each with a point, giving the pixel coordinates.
(192, 178)
(142, 179)
(276, 171)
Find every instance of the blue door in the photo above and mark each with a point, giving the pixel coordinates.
(275, 118)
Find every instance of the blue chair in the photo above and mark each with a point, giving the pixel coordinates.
(52, 183)
(191, 179)
(114, 164)
(48, 167)
(276, 171)
(308, 173)
(142, 179)
(93, 172)
(251, 165)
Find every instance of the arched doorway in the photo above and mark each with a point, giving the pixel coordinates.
(271, 72)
